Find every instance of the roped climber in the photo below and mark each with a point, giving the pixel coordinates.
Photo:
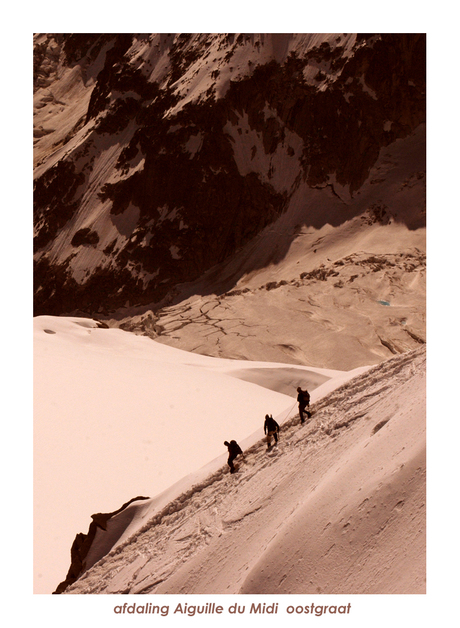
(271, 428)
(303, 397)
(234, 450)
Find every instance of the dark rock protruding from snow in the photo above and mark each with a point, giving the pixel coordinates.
(82, 544)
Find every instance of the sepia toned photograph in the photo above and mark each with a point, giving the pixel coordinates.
(229, 319)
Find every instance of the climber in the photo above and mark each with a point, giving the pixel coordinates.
(303, 397)
(271, 428)
(234, 450)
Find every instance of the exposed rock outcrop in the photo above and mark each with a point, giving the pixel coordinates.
(82, 544)
(177, 150)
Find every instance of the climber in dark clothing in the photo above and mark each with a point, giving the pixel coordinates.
(303, 397)
(234, 450)
(271, 428)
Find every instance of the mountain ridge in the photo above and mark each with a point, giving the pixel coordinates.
(298, 538)
(159, 156)
(257, 198)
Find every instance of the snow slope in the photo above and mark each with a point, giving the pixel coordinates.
(105, 401)
(299, 288)
(338, 507)
(118, 415)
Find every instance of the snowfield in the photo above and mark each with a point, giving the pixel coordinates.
(118, 415)
(337, 507)
(331, 522)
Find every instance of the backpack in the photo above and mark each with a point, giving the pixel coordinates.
(272, 425)
(235, 448)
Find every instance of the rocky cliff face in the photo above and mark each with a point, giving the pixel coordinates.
(159, 156)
